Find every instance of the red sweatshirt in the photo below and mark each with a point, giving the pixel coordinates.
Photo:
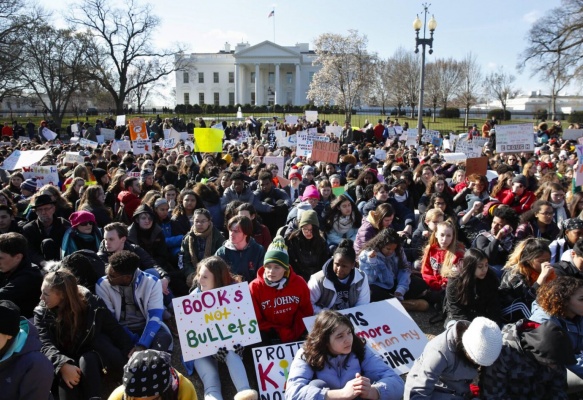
(282, 309)
(524, 203)
(431, 269)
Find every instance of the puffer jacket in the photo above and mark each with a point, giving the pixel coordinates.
(385, 272)
(307, 256)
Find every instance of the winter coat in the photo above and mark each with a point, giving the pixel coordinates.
(566, 268)
(98, 321)
(102, 214)
(520, 205)
(22, 286)
(307, 256)
(483, 302)
(153, 242)
(440, 373)
(35, 233)
(404, 212)
(130, 202)
(365, 233)
(337, 372)
(244, 262)
(385, 272)
(73, 240)
(558, 247)
(515, 288)
(185, 390)
(323, 294)
(188, 267)
(531, 228)
(25, 372)
(496, 250)
(282, 309)
(173, 238)
(246, 196)
(431, 269)
(518, 375)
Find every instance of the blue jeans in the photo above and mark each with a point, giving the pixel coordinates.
(207, 368)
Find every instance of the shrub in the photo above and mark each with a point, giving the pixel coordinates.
(449, 112)
(575, 117)
(541, 114)
(500, 114)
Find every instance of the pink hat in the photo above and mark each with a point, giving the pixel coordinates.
(311, 192)
(79, 217)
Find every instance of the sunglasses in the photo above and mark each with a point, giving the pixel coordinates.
(86, 223)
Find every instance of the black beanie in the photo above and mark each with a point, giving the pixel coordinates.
(10, 317)
(147, 373)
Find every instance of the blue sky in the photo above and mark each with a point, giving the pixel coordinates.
(494, 31)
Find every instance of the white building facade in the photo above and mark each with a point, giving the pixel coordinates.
(263, 74)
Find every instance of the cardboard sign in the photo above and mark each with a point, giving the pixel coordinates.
(398, 129)
(477, 165)
(272, 366)
(215, 318)
(138, 129)
(311, 116)
(279, 161)
(108, 134)
(48, 134)
(88, 143)
(572, 134)
(19, 159)
(454, 157)
(74, 128)
(44, 175)
(120, 120)
(121, 145)
(142, 147)
(397, 340)
(74, 158)
(208, 140)
(285, 141)
(325, 151)
(514, 138)
(291, 119)
(469, 148)
(334, 130)
(428, 136)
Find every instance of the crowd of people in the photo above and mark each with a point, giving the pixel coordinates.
(89, 265)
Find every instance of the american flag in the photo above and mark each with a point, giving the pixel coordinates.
(271, 14)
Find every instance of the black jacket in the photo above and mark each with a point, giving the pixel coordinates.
(307, 256)
(483, 303)
(22, 286)
(146, 260)
(566, 268)
(35, 234)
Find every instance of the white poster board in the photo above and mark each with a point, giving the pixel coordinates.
(121, 145)
(311, 116)
(334, 130)
(396, 339)
(120, 120)
(44, 175)
(169, 143)
(454, 157)
(88, 143)
(215, 318)
(142, 146)
(48, 134)
(72, 157)
(19, 159)
(514, 138)
(108, 134)
(380, 154)
(572, 134)
(291, 119)
(279, 161)
(272, 365)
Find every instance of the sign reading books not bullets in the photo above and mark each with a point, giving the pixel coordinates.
(215, 318)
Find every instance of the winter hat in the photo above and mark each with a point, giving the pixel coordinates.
(43, 200)
(309, 217)
(277, 253)
(145, 173)
(98, 173)
(307, 169)
(520, 179)
(147, 373)
(311, 192)
(79, 217)
(302, 207)
(572, 223)
(228, 158)
(10, 317)
(294, 173)
(143, 209)
(396, 168)
(483, 341)
(29, 184)
(549, 344)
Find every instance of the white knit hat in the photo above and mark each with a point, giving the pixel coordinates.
(483, 341)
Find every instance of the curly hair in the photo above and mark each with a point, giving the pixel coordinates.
(554, 296)
(316, 346)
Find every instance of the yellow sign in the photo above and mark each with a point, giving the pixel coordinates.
(208, 140)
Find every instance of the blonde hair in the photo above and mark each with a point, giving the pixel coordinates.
(434, 213)
(448, 267)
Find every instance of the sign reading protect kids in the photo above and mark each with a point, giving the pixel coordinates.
(272, 365)
(215, 318)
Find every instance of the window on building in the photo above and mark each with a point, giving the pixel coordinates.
(185, 77)
(231, 98)
(201, 77)
(252, 77)
(186, 98)
(289, 78)
(231, 77)
(215, 77)
(252, 97)
(201, 98)
(272, 78)
(216, 98)
(289, 98)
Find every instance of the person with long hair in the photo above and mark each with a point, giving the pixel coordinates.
(576, 205)
(437, 184)
(213, 273)
(356, 189)
(162, 217)
(183, 213)
(529, 171)
(476, 190)
(527, 268)
(470, 293)
(187, 172)
(93, 201)
(72, 192)
(211, 200)
(261, 233)
(421, 179)
(555, 194)
(63, 208)
(170, 193)
(376, 220)
(342, 221)
(538, 222)
(503, 187)
(79, 335)
(115, 187)
(452, 360)
(335, 363)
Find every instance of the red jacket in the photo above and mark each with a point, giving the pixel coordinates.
(7, 131)
(431, 269)
(130, 202)
(521, 205)
(283, 309)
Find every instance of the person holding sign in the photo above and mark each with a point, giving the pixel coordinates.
(213, 273)
(336, 364)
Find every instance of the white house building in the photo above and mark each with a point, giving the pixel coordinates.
(263, 74)
(534, 101)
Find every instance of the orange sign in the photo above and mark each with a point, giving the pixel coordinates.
(138, 129)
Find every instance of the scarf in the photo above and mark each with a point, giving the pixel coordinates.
(194, 241)
(277, 285)
(560, 212)
(342, 225)
(342, 288)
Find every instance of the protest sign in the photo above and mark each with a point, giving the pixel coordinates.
(398, 342)
(215, 318)
(285, 141)
(311, 116)
(133, 174)
(325, 151)
(411, 140)
(428, 136)
(447, 144)
(108, 134)
(303, 146)
(478, 165)
(454, 157)
(208, 140)
(120, 120)
(88, 143)
(74, 128)
(167, 133)
(142, 147)
(291, 119)
(283, 182)
(100, 139)
(338, 190)
(44, 175)
(74, 158)
(514, 138)
(572, 134)
(279, 161)
(138, 129)
(48, 134)
(19, 159)
(579, 171)
(272, 365)
(468, 148)
(398, 130)
(243, 137)
(218, 126)
(380, 154)
(168, 143)
(391, 132)
(121, 145)
(334, 130)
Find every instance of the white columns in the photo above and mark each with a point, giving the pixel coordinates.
(257, 100)
(298, 95)
(277, 95)
(238, 90)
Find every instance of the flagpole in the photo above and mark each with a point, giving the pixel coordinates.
(273, 25)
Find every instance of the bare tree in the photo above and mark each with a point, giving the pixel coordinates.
(347, 70)
(499, 85)
(448, 73)
(55, 66)
(380, 86)
(121, 38)
(143, 71)
(405, 78)
(432, 89)
(471, 84)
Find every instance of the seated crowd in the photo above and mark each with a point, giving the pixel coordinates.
(89, 267)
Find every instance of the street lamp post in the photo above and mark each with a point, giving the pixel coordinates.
(417, 24)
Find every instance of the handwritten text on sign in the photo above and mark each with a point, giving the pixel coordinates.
(514, 138)
(215, 318)
(44, 175)
(272, 365)
(325, 151)
(398, 341)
